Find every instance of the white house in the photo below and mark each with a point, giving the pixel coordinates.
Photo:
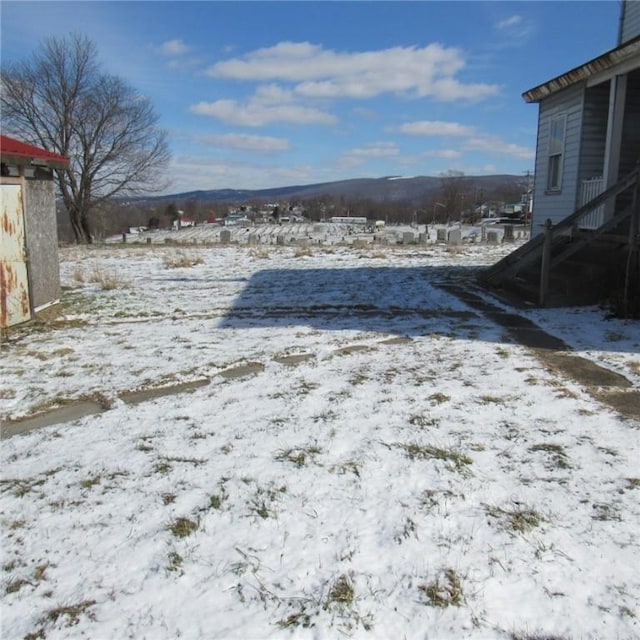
(585, 220)
(588, 128)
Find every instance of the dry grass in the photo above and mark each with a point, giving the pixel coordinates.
(71, 613)
(302, 251)
(518, 519)
(444, 591)
(415, 451)
(107, 280)
(182, 527)
(341, 592)
(260, 252)
(181, 260)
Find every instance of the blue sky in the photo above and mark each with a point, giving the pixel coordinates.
(268, 94)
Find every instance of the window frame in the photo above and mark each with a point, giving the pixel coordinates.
(555, 152)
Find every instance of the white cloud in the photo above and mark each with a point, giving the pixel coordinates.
(495, 144)
(513, 31)
(198, 172)
(360, 155)
(447, 154)
(174, 48)
(509, 22)
(376, 150)
(316, 72)
(435, 128)
(245, 142)
(256, 113)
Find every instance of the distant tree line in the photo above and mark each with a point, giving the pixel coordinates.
(457, 195)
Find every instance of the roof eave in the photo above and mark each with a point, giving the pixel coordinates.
(12, 158)
(582, 73)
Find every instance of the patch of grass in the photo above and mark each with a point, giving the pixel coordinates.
(260, 252)
(302, 252)
(605, 513)
(20, 487)
(408, 529)
(262, 503)
(350, 466)
(261, 509)
(91, 482)
(633, 483)
(557, 456)
(162, 467)
(175, 561)
(535, 636)
(216, 500)
(341, 593)
(168, 498)
(423, 421)
(415, 451)
(182, 527)
(431, 497)
(182, 260)
(444, 591)
(196, 462)
(517, 519)
(298, 456)
(107, 280)
(15, 585)
(438, 398)
(71, 612)
(488, 399)
(39, 572)
(296, 619)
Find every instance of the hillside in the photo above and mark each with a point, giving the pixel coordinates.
(412, 190)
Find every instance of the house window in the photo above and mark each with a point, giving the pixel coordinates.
(556, 152)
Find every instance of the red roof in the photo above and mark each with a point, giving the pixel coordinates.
(16, 152)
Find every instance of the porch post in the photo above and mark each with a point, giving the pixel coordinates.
(545, 263)
(617, 97)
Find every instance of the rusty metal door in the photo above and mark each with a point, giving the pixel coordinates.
(14, 285)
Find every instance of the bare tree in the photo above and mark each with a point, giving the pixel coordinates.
(454, 189)
(61, 100)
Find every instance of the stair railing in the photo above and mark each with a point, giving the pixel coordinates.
(532, 250)
(571, 223)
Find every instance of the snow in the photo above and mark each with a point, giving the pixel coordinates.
(415, 450)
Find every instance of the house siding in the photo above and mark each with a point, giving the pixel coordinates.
(594, 132)
(630, 21)
(630, 151)
(557, 206)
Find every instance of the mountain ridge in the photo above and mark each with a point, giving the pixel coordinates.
(410, 190)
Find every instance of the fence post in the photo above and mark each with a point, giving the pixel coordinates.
(546, 261)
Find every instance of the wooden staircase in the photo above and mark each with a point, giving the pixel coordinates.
(566, 266)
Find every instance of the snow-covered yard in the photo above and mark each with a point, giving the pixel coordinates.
(366, 456)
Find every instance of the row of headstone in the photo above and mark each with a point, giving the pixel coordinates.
(443, 236)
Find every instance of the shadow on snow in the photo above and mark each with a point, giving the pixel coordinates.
(395, 300)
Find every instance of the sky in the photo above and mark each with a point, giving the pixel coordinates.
(268, 94)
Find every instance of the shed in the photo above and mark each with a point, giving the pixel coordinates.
(29, 266)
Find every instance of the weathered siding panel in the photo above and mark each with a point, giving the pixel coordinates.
(14, 288)
(630, 151)
(560, 204)
(631, 21)
(42, 242)
(594, 132)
